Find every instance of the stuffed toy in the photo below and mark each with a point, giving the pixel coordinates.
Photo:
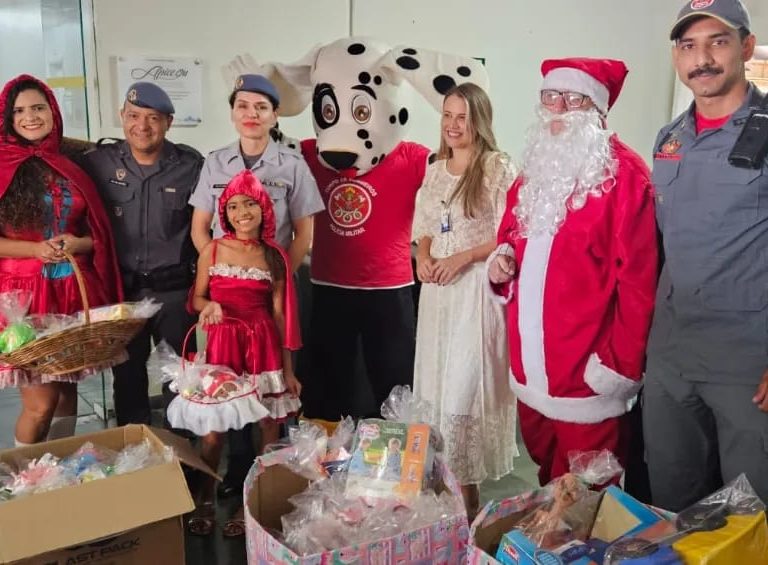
(368, 178)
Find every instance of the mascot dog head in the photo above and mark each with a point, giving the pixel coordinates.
(355, 87)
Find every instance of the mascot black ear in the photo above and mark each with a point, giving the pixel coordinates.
(433, 73)
(293, 81)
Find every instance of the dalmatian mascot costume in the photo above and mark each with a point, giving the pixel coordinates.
(368, 178)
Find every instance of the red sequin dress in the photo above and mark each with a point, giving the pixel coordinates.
(252, 344)
(53, 286)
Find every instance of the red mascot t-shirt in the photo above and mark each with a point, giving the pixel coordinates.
(363, 238)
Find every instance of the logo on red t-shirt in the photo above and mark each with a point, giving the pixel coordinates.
(350, 204)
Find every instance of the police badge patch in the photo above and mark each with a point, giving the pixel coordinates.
(120, 174)
(131, 96)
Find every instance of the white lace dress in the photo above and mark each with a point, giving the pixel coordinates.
(462, 363)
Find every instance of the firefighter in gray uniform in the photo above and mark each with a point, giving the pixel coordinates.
(706, 389)
(145, 182)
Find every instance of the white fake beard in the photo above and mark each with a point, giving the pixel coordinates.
(561, 171)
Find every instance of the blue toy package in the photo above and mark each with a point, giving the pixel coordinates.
(618, 516)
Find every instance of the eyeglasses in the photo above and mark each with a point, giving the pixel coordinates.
(571, 99)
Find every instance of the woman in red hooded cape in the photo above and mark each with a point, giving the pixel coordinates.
(47, 205)
(244, 294)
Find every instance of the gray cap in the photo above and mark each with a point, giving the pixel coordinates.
(149, 95)
(258, 84)
(731, 12)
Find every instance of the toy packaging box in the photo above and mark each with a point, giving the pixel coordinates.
(390, 459)
(494, 540)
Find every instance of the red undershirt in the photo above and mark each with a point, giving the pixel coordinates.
(703, 124)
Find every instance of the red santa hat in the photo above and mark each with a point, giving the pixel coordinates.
(600, 79)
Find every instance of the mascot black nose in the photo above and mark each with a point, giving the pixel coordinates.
(339, 160)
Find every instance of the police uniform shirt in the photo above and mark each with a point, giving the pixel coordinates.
(284, 174)
(711, 318)
(147, 205)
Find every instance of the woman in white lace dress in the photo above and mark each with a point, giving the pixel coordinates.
(461, 347)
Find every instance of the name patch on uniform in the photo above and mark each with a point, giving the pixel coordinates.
(169, 189)
(118, 182)
(667, 157)
(275, 183)
(219, 186)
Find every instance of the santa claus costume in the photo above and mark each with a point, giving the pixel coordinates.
(579, 226)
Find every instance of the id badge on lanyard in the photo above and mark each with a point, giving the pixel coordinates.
(445, 218)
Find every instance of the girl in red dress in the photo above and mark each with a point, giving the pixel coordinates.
(243, 276)
(47, 205)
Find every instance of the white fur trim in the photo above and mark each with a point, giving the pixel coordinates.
(604, 380)
(567, 79)
(202, 419)
(533, 279)
(503, 249)
(588, 410)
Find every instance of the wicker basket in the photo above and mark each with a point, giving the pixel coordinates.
(91, 345)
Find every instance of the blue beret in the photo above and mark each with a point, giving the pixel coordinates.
(149, 95)
(259, 84)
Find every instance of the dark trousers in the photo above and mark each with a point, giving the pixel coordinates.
(131, 383)
(699, 435)
(379, 322)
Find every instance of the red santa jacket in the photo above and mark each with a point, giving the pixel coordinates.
(579, 310)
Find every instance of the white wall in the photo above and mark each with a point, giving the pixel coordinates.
(513, 35)
(213, 31)
(516, 35)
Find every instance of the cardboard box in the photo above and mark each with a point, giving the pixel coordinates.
(121, 520)
(270, 484)
(618, 515)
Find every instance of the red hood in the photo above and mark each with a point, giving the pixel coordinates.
(13, 153)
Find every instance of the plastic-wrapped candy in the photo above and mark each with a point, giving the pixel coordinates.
(402, 406)
(16, 332)
(213, 399)
(145, 308)
(40, 475)
(6, 478)
(47, 324)
(90, 463)
(140, 456)
(339, 446)
(324, 518)
(163, 364)
(15, 336)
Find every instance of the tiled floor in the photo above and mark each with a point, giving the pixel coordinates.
(216, 549)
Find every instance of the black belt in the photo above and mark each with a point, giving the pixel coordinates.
(175, 277)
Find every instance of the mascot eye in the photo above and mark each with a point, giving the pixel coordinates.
(361, 109)
(328, 109)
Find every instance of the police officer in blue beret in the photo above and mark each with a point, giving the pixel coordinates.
(145, 182)
(254, 102)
